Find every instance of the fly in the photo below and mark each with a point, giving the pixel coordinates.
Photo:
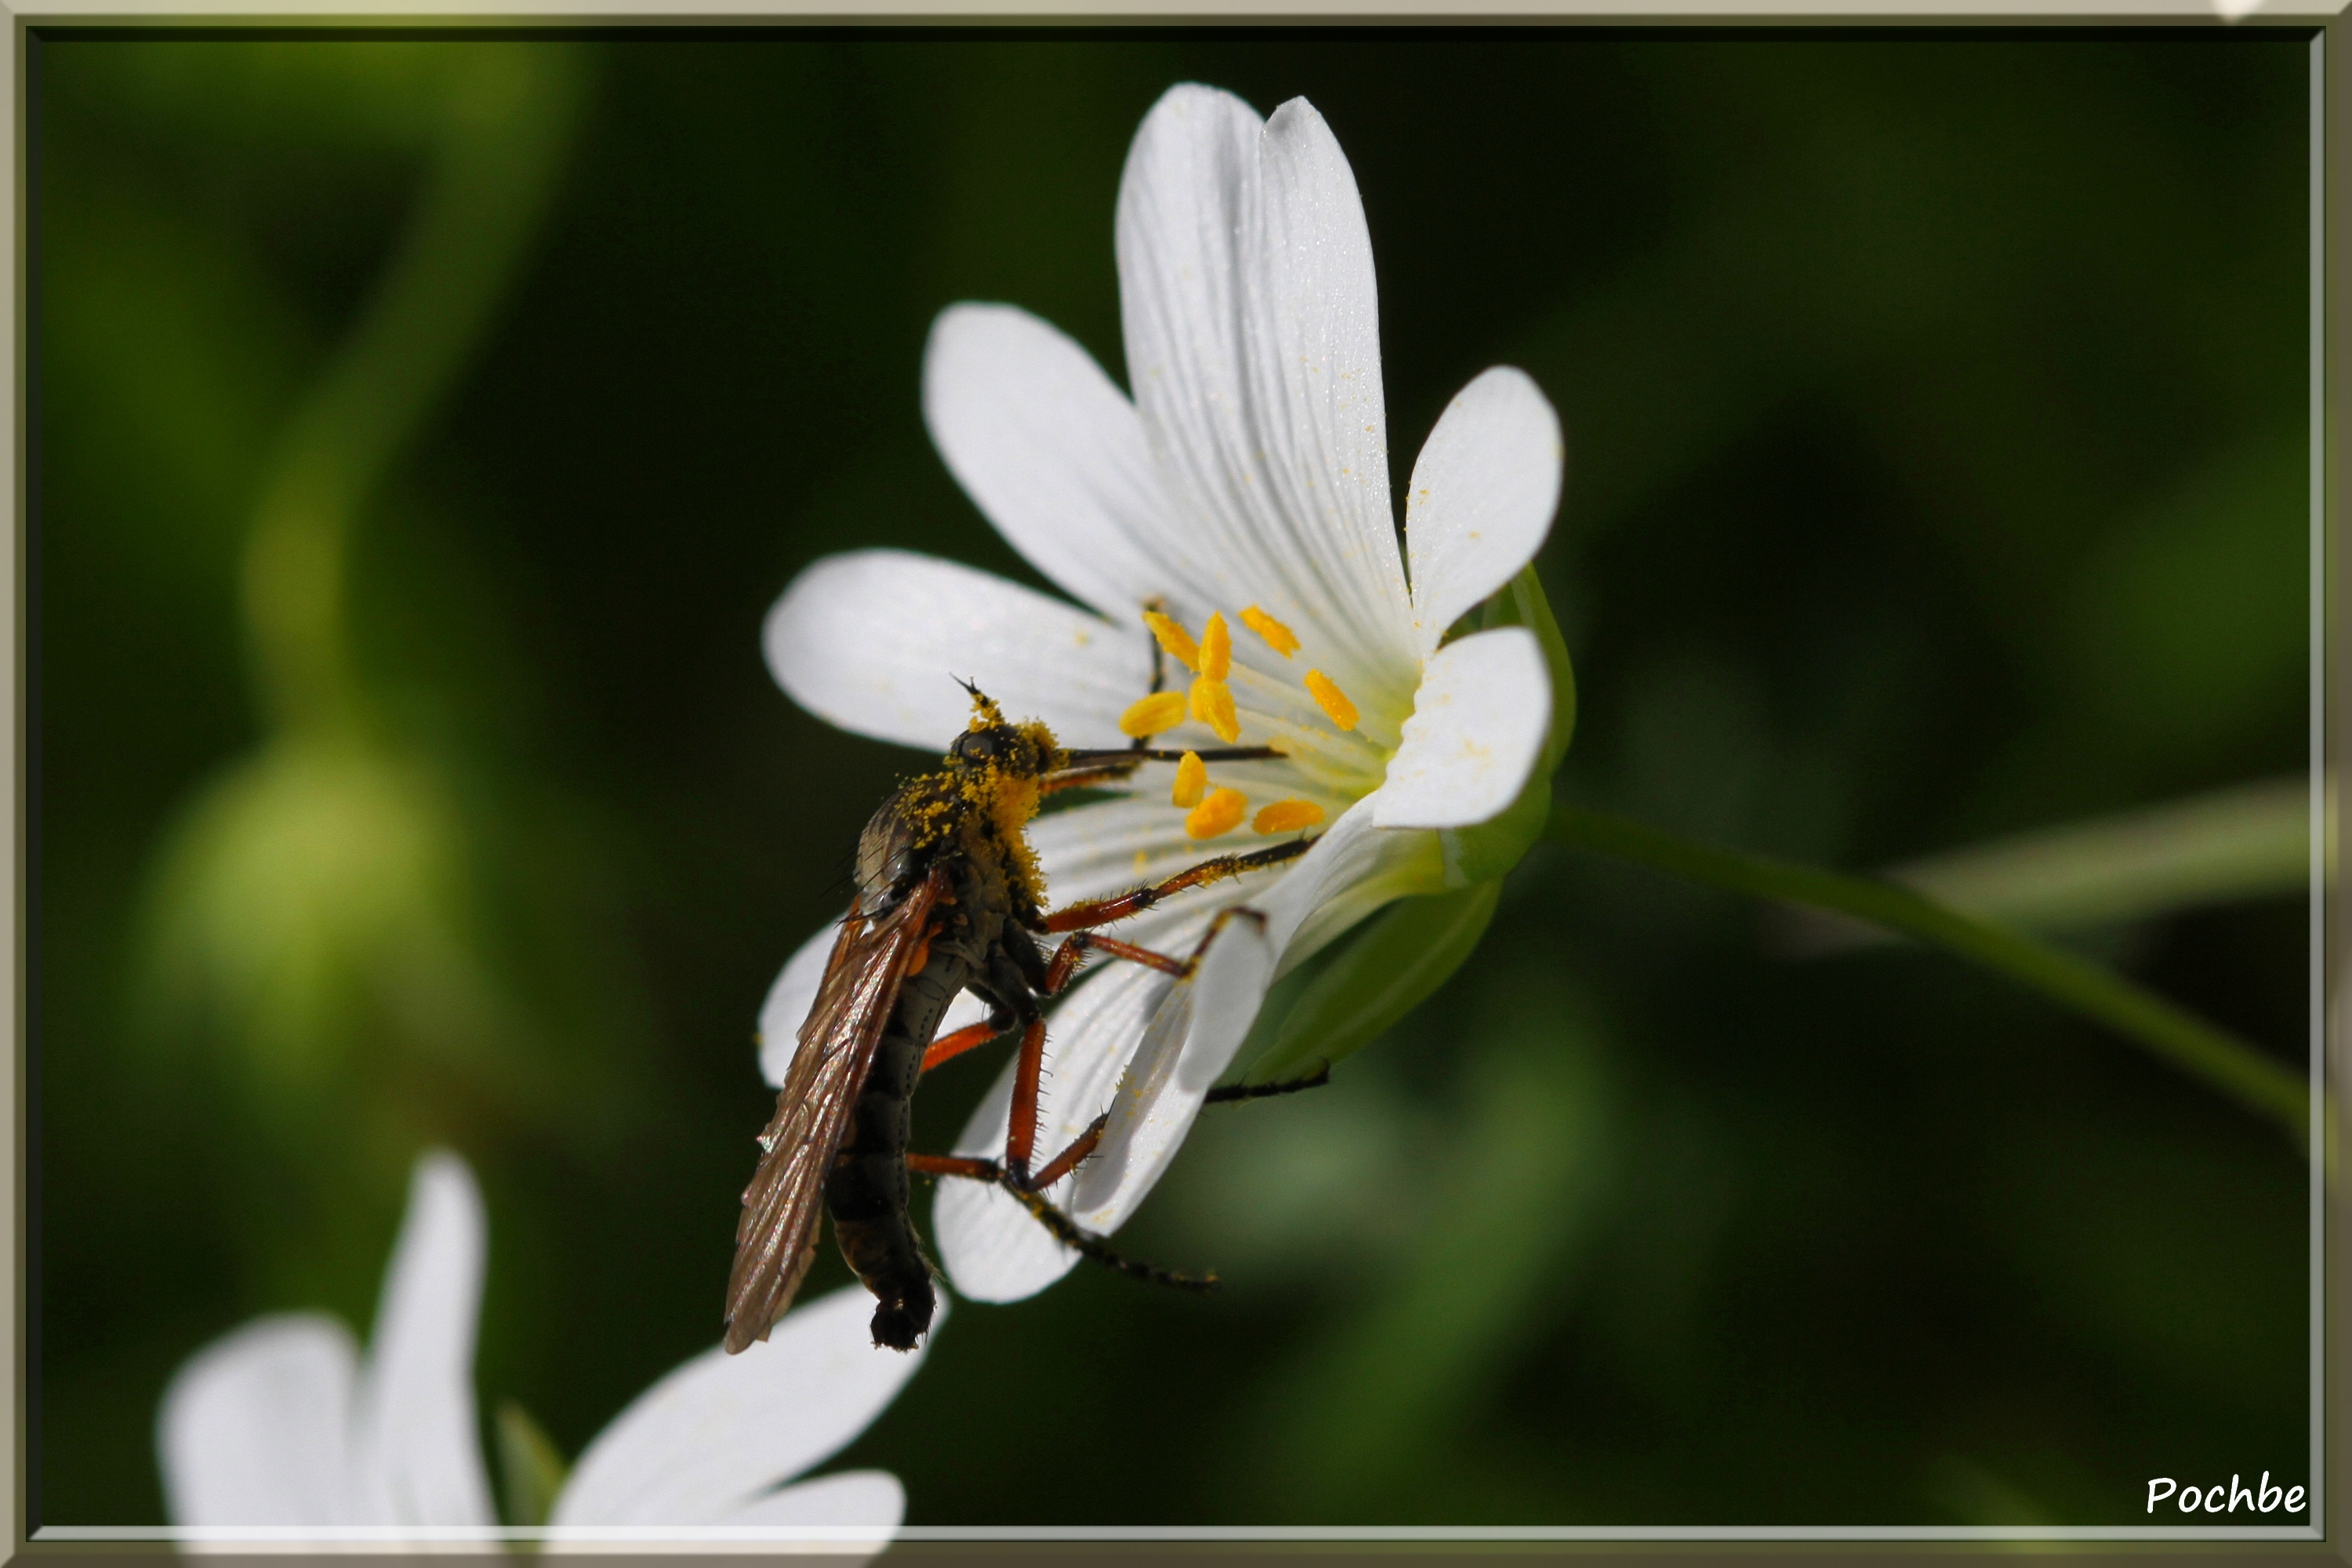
(949, 900)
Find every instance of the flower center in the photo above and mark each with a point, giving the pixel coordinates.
(1321, 752)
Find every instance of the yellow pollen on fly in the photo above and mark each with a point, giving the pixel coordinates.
(1160, 710)
(1213, 704)
(1191, 782)
(1216, 648)
(1220, 812)
(1279, 637)
(1331, 699)
(1175, 640)
(1289, 817)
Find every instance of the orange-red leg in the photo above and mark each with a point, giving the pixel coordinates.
(1103, 911)
(947, 1047)
(1063, 1164)
(1020, 1127)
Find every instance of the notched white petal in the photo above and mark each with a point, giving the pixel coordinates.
(1477, 726)
(417, 1454)
(712, 1439)
(875, 640)
(255, 1429)
(1052, 453)
(1483, 492)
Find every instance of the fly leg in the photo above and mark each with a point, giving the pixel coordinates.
(1103, 911)
(1061, 1226)
(1237, 1092)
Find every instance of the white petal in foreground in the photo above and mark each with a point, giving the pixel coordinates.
(417, 1455)
(1483, 494)
(874, 641)
(1313, 339)
(1052, 454)
(1477, 726)
(992, 1247)
(1191, 1042)
(256, 1428)
(716, 1435)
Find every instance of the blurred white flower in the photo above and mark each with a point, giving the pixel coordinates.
(1242, 497)
(279, 1433)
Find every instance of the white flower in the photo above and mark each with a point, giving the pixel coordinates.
(279, 1432)
(1248, 479)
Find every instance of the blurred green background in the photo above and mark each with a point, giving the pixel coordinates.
(424, 426)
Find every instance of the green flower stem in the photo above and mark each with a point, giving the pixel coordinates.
(507, 119)
(2180, 1037)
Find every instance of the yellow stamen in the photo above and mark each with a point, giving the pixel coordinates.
(1213, 704)
(1220, 812)
(1328, 696)
(1289, 817)
(1191, 782)
(1216, 648)
(1175, 640)
(1279, 637)
(1160, 710)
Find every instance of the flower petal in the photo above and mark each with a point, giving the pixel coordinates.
(255, 1428)
(794, 992)
(991, 1246)
(416, 1449)
(874, 641)
(711, 1438)
(1053, 455)
(1478, 724)
(1483, 494)
(1193, 1034)
(1281, 489)
(1191, 1038)
(870, 1497)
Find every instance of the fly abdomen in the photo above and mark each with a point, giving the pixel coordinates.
(866, 1193)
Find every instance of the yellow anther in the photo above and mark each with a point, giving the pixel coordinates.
(1289, 817)
(1279, 637)
(1328, 697)
(1174, 639)
(1191, 782)
(1220, 812)
(1213, 704)
(1160, 710)
(1216, 648)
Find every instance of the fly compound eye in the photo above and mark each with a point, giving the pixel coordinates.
(976, 746)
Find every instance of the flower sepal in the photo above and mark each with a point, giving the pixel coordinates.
(1396, 964)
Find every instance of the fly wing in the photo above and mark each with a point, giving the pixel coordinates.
(776, 1238)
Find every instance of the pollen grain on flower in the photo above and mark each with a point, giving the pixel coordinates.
(1220, 812)
(1149, 716)
(1213, 704)
(1278, 637)
(1191, 782)
(1173, 639)
(1216, 648)
(1288, 816)
(1331, 700)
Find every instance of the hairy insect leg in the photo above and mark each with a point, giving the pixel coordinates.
(1059, 1226)
(1075, 948)
(1021, 1123)
(1233, 1092)
(1103, 911)
(947, 1047)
